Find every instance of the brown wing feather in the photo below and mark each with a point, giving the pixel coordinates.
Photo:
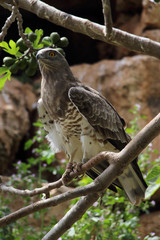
(99, 113)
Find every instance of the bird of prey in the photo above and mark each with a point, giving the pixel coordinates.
(82, 122)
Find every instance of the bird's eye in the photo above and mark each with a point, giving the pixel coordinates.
(51, 54)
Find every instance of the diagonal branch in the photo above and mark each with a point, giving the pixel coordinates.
(107, 18)
(91, 29)
(73, 215)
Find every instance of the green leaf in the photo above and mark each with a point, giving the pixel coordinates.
(158, 181)
(49, 160)
(3, 70)
(5, 77)
(4, 44)
(14, 49)
(11, 48)
(2, 81)
(28, 30)
(129, 130)
(28, 144)
(39, 33)
(154, 174)
(153, 178)
(12, 44)
(143, 116)
(152, 188)
(38, 124)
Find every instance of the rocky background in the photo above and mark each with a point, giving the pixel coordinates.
(123, 77)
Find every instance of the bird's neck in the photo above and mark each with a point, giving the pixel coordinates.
(54, 91)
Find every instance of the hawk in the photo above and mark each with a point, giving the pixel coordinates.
(82, 122)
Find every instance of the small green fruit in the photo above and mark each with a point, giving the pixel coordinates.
(30, 71)
(14, 68)
(32, 36)
(33, 62)
(8, 61)
(55, 37)
(63, 42)
(20, 43)
(23, 64)
(46, 41)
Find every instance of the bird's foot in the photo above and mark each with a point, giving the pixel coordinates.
(77, 167)
(66, 175)
(71, 167)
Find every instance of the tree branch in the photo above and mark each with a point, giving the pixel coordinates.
(141, 140)
(73, 215)
(86, 27)
(8, 23)
(31, 193)
(107, 18)
(21, 31)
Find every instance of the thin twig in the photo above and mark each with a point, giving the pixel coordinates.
(21, 31)
(31, 193)
(107, 18)
(8, 23)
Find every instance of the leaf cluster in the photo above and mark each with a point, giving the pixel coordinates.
(21, 59)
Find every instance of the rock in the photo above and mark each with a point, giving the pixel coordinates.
(150, 14)
(16, 104)
(153, 34)
(150, 223)
(128, 6)
(126, 82)
(129, 24)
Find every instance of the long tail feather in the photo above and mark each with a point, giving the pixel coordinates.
(132, 185)
(131, 181)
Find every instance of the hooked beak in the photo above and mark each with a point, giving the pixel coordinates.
(39, 56)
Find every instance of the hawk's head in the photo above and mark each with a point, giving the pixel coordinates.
(50, 58)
